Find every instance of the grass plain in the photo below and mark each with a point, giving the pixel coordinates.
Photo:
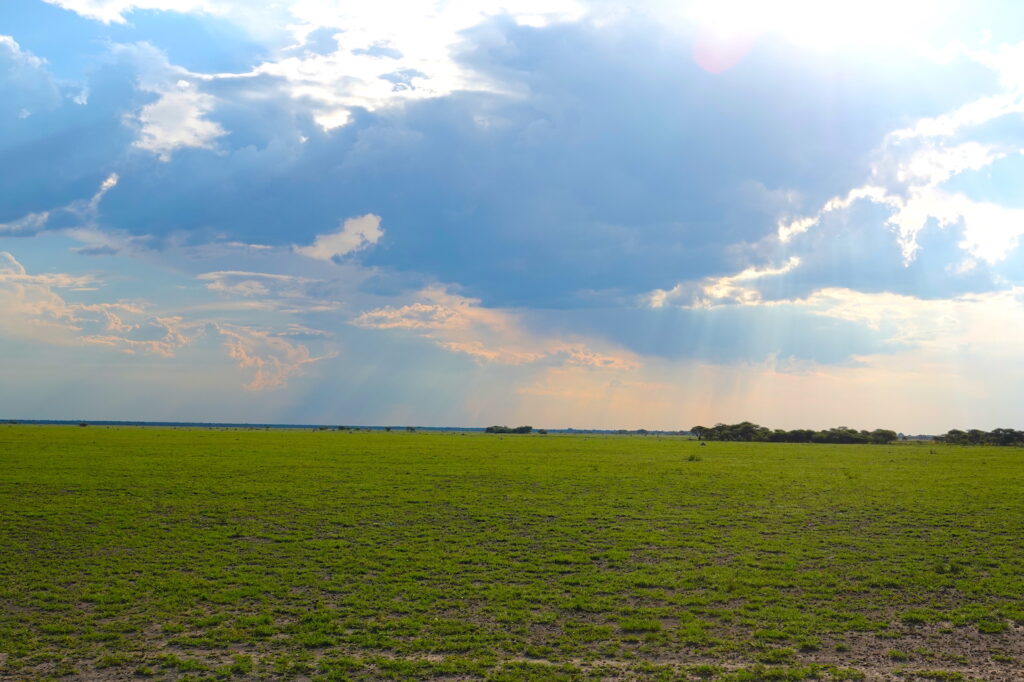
(134, 553)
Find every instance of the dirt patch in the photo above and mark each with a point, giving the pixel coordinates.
(929, 647)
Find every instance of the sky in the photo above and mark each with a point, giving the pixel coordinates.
(804, 213)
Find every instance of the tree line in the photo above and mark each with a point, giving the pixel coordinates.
(748, 431)
(506, 429)
(979, 437)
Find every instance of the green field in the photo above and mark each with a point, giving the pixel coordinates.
(204, 554)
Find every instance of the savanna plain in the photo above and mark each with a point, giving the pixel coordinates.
(144, 553)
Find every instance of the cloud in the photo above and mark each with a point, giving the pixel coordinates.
(27, 86)
(175, 121)
(374, 62)
(247, 284)
(355, 234)
(991, 231)
(716, 291)
(541, 168)
(461, 325)
(80, 221)
(787, 230)
(273, 359)
(378, 61)
(78, 213)
(914, 165)
(13, 272)
(288, 294)
(29, 224)
(412, 316)
(32, 309)
(113, 11)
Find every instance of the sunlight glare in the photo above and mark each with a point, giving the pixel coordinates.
(820, 24)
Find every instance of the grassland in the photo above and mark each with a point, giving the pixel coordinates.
(200, 554)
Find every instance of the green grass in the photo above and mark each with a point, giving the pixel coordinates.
(204, 554)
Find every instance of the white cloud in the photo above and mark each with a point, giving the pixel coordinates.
(113, 11)
(176, 120)
(990, 231)
(909, 183)
(716, 291)
(419, 41)
(913, 164)
(969, 115)
(355, 234)
(387, 52)
(789, 229)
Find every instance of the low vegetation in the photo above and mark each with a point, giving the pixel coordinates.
(209, 554)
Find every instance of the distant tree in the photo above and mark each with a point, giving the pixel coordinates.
(542, 432)
(388, 429)
(883, 436)
(698, 431)
(82, 424)
(410, 429)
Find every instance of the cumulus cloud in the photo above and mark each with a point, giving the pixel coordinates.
(176, 120)
(175, 116)
(376, 61)
(915, 163)
(379, 61)
(916, 198)
(355, 234)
